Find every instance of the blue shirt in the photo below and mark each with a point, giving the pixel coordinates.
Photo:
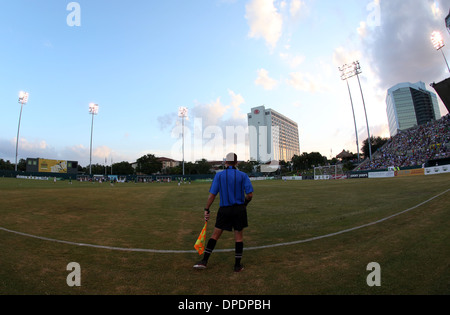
(232, 185)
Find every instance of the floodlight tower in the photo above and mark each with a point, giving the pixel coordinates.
(93, 110)
(358, 72)
(23, 99)
(438, 43)
(183, 113)
(345, 75)
(355, 70)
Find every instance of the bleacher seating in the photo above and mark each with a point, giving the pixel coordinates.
(413, 147)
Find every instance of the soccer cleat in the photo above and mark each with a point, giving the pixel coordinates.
(200, 265)
(238, 268)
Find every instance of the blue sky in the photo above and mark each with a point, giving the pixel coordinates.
(141, 60)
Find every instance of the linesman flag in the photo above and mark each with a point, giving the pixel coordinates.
(201, 241)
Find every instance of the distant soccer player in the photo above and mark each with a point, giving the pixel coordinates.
(236, 192)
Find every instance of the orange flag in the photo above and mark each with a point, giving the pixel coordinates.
(201, 241)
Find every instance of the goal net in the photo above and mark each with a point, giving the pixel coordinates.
(164, 179)
(329, 172)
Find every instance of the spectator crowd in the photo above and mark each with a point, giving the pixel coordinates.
(414, 146)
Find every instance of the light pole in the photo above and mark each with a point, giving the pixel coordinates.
(183, 113)
(23, 99)
(345, 76)
(355, 70)
(438, 43)
(93, 110)
(358, 72)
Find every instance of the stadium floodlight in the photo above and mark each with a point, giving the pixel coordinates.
(93, 110)
(345, 76)
(349, 71)
(183, 113)
(437, 40)
(438, 43)
(358, 72)
(23, 99)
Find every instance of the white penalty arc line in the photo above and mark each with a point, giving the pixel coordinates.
(222, 250)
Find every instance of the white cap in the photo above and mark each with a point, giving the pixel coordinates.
(231, 157)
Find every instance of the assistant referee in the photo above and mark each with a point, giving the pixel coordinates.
(236, 191)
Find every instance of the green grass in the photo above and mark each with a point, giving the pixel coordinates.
(412, 248)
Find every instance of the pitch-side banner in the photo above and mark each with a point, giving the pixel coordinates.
(52, 166)
(437, 170)
(381, 174)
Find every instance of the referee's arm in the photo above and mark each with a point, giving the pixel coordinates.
(248, 198)
(210, 201)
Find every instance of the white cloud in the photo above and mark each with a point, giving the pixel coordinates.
(30, 146)
(211, 113)
(437, 13)
(213, 129)
(342, 56)
(306, 82)
(41, 149)
(362, 29)
(167, 121)
(265, 21)
(400, 49)
(296, 6)
(265, 81)
(28, 149)
(102, 152)
(236, 101)
(293, 60)
(81, 154)
(214, 113)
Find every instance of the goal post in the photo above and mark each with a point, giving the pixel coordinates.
(163, 179)
(329, 172)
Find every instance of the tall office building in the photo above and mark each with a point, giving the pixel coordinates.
(409, 105)
(447, 22)
(272, 136)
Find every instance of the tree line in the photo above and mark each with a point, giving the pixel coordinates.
(307, 161)
(150, 164)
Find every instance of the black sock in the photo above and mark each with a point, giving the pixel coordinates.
(239, 252)
(209, 249)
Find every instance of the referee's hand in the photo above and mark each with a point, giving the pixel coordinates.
(207, 215)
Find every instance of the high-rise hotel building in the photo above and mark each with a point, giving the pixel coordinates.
(409, 105)
(272, 136)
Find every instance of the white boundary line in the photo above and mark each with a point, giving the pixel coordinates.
(222, 250)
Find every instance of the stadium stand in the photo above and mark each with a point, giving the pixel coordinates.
(413, 147)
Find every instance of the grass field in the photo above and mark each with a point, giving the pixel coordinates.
(412, 248)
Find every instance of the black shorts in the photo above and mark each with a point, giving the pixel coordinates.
(233, 217)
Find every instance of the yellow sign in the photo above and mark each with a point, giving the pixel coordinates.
(412, 172)
(52, 166)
